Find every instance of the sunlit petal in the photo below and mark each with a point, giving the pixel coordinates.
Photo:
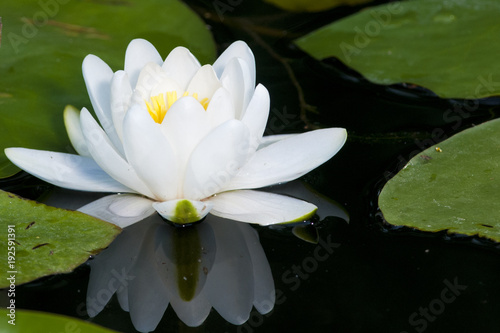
(288, 159)
(66, 170)
(260, 207)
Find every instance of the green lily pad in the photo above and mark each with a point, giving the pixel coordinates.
(313, 6)
(33, 321)
(453, 186)
(39, 240)
(449, 47)
(44, 44)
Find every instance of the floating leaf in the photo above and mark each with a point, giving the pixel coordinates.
(453, 186)
(313, 6)
(42, 52)
(449, 47)
(39, 240)
(32, 321)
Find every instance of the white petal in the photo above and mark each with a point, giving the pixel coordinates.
(260, 207)
(121, 93)
(204, 83)
(233, 80)
(289, 159)
(150, 76)
(230, 285)
(139, 53)
(166, 85)
(98, 76)
(107, 157)
(216, 160)
(181, 66)
(238, 49)
(270, 139)
(182, 211)
(185, 125)
(264, 292)
(120, 209)
(256, 115)
(221, 108)
(66, 170)
(74, 129)
(150, 154)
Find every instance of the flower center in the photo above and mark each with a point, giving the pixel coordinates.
(159, 106)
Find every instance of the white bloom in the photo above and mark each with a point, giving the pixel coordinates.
(181, 139)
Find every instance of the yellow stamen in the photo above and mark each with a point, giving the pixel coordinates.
(158, 107)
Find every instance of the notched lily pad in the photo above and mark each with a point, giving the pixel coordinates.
(313, 6)
(452, 186)
(42, 52)
(33, 321)
(40, 240)
(448, 47)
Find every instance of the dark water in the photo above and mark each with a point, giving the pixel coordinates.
(376, 278)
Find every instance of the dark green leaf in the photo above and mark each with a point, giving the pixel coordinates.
(453, 186)
(449, 47)
(43, 240)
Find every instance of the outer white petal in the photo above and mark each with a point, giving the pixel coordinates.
(98, 76)
(256, 115)
(204, 83)
(107, 157)
(260, 207)
(121, 93)
(288, 159)
(181, 65)
(74, 129)
(270, 139)
(238, 49)
(120, 209)
(66, 170)
(149, 153)
(216, 160)
(182, 211)
(139, 53)
(221, 108)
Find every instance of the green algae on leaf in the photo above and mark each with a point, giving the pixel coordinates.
(41, 240)
(452, 186)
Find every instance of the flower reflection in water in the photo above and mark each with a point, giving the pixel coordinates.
(218, 264)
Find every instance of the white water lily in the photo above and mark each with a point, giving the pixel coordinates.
(180, 139)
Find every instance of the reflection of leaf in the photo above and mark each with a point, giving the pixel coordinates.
(48, 240)
(42, 53)
(445, 46)
(454, 186)
(32, 321)
(313, 6)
